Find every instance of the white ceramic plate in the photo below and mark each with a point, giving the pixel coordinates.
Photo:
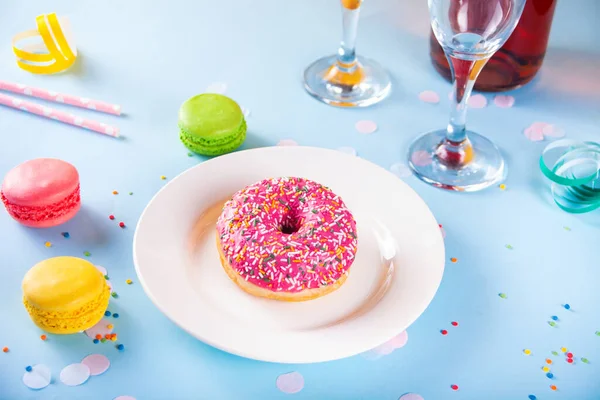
(398, 268)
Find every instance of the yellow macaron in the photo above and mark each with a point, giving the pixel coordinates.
(65, 294)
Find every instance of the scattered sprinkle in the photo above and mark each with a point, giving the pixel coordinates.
(597, 333)
(454, 323)
(163, 177)
(109, 326)
(444, 332)
(103, 340)
(545, 369)
(99, 336)
(96, 341)
(550, 375)
(551, 323)
(48, 244)
(366, 127)
(107, 313)
(115, 315)
(113, 338)
(553, 387)
(65, 235)
(290, 383)
(570, 360)
(454, 387)
(111, 217)
(107, 336)
(502, 295)
(585, 360)
(28, 368)
(567, 307)
(120, 347)
(5, 349)
(429, 96)
(87, 253)
(114, 295)
(454, 259)
(527, 351)
(554, 317)
(548, 361)
(502, 186)
(566, 228)
(532, 397)
(508, 246)
(190, 154)
(131, 193)
(129, 281)
(115, 192)
(569, 355)
(563, 349)
(122, 224)
(107, 277)
(504, 101)
(555, 353)
(43, 337)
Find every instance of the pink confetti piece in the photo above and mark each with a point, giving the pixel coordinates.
(421, 158)
(217, 87)
(124, 398)
(290, 383)
(477, 101)
(429, 96)
(366, 127)
(74, 374)
(287, 142)
(535, 132)
(400, 170)
(443, 231)
(101, 269)
(97, 363)
(101, 328)
(553, 131)
(39, 377)
(347, 150)
(411, 396)
(504, 101)
(388, 347)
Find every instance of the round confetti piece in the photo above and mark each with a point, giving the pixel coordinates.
(444, 332)
(366, 127)
(48, 244)
(585, 360)
(87, 253)
(454, 387)
(347, 150)
(550, 375)
(532, 397)
(548, 361)
(111, 217)
(553, 131)
(39, 377)
(569, 355)
(216, 87)
(553, 387)
(290, 383)
(65, 235)
(287, 142)
(429, 96)
(43, 337)
(99, 330)
(477, 101)
(454, 259)
(421, 158)
(563, 349)
(533, 135)
(124, 398)
(570, 360)
(74, 374)
(401, 170)
(527, 351)
(554, 318)
(545, 369)
(5, 349)
(97, 363)
(388, 347)
(502, 295)
(411, 396)
(454, 323)
(567, 307)
(504, 101)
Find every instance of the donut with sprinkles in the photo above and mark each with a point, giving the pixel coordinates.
(287, 238)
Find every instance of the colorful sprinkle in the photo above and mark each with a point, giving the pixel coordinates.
(114, 295)
(563, 349)
(115, 192)
(48, 244)
(111, 217)
(553, 387)
(555, 353)
(454, 259)
(109, 326)
(444, 332)
(5, 349)
(548, 361)
(122, 224)
(554, 317)
(502, 186)
(454, 323)
(113, 338)
(566, 228)
(65, 235)
(120, 347)
(87, 253)
(567, 307)
(129, 281)
(570, 360)
(131, 193)
(508, 246)
(98, 336)
(107, 277)
(502, 295)
(163, 177)
(551, 323)
(532, 397)
(28, 368)
(569, 355)
(597, 333)
(107, 336)
(190, 154)
(107, 313)
(290, 383)
(366, 127)
(454, 387)
(550, 375)
(43, 337)
(103, 340)
(96, 341)
(545, 369)
(585, 360)
(527, 351)
(115, 315)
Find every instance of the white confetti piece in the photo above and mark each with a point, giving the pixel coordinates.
(97, 363)
(101, 269)
(400, 170)
(504, 101)
(290, 383)
(74, 374)
(366, 127)
(477, 101)
(429, 96)
(347, 150)
(217, 87)
(39, 377)
(246, 112)
(397, 342)
(124, 398)
(411, 396)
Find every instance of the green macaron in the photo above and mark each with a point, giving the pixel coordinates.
(211, 124)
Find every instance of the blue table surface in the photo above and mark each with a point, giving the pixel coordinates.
(150, 57)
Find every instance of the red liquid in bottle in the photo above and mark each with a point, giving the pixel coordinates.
(521, 57)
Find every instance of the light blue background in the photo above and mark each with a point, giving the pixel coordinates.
(150, 56)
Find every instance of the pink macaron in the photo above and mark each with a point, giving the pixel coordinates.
(42, 193)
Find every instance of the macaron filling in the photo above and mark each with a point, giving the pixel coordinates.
(43, 213)
(216, 143)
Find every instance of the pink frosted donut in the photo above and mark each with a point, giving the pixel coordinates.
(287, 239)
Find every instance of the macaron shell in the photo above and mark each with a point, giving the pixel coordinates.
(40, 182)
(44, 216)
(210, 115)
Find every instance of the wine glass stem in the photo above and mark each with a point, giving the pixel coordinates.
(350, 11)
(464, 75)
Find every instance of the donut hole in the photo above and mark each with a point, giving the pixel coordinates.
(290, 224)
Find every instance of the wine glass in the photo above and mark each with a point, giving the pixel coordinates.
(345, 79)
(470, 32)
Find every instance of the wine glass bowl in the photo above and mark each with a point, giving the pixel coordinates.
(470, 32)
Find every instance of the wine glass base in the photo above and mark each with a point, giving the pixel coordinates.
(485, 168)
(374, 85)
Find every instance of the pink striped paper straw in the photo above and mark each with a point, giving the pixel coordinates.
(50, 95)
(57, 115)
